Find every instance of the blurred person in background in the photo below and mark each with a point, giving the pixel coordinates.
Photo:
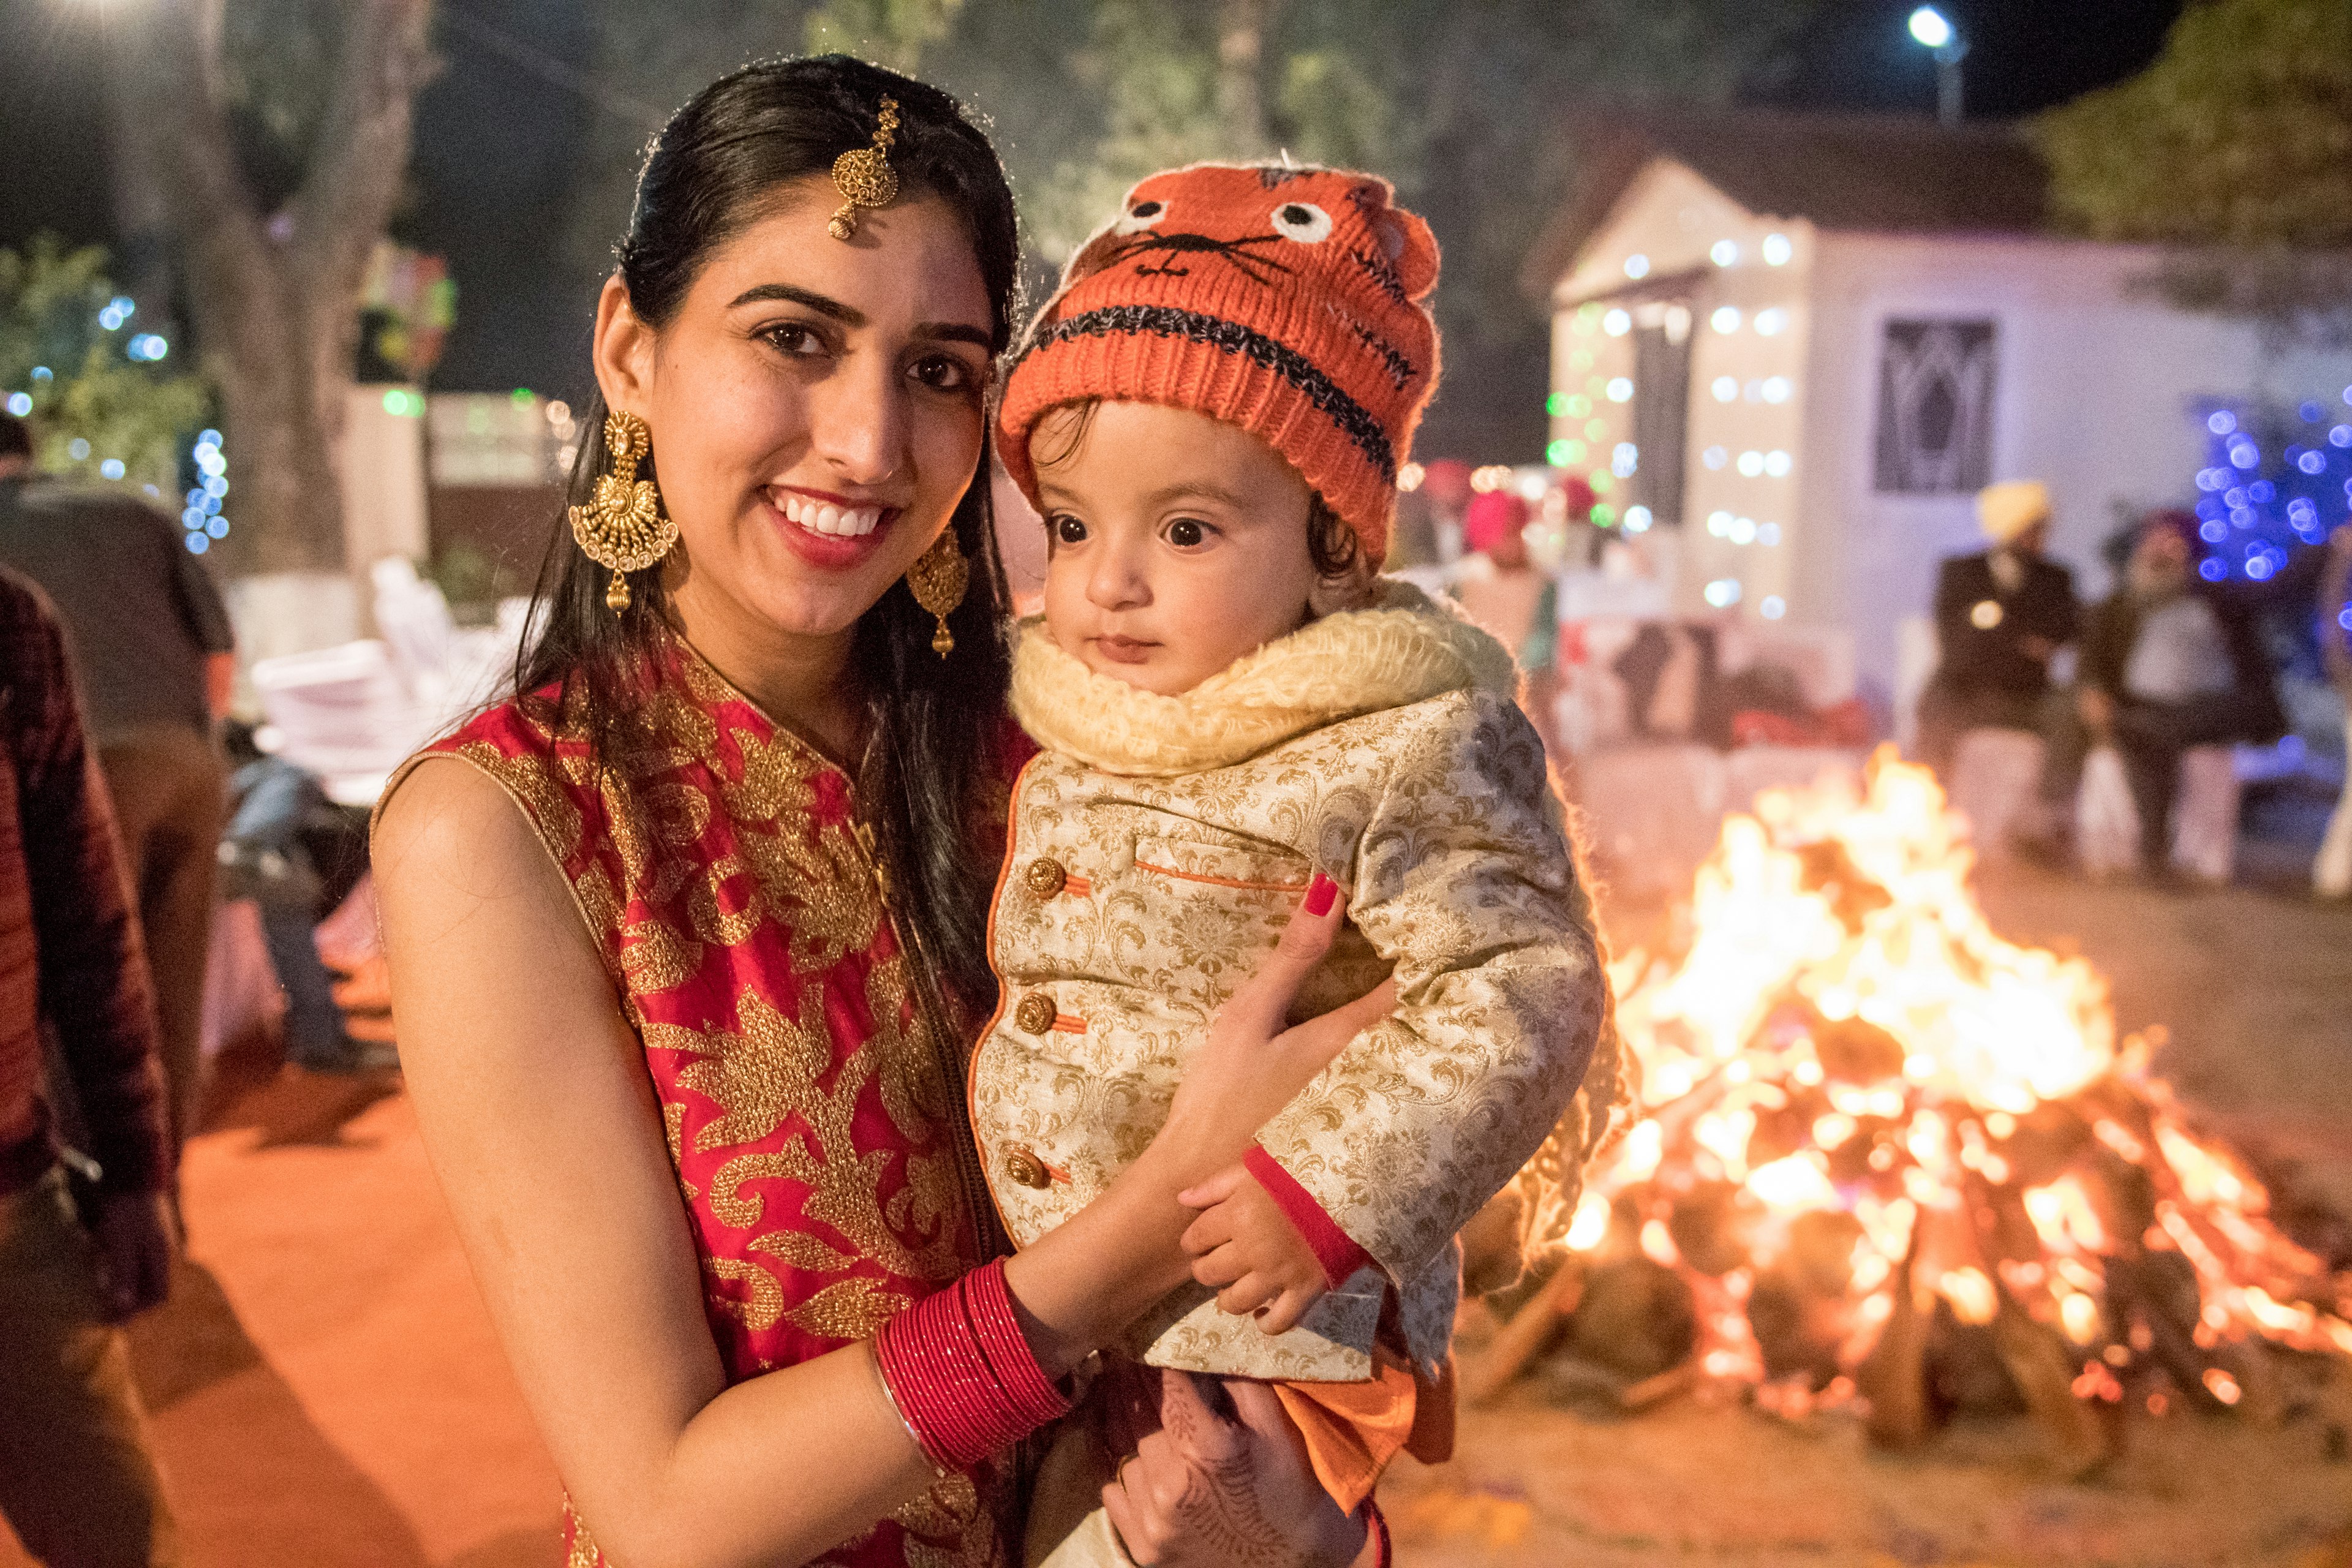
(2331, 874)
(1500, 588)
(2000, 616)
(1445, 491)
(2168, 663)
(76, 1480)
(152, 646)
(296, 854)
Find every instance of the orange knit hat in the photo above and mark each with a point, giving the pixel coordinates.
(1287, 301)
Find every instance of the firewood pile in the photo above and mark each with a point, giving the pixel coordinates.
(1882, 1159)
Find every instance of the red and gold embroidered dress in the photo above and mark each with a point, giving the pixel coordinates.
(811, 1096)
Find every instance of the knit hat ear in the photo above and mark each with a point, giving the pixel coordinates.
(1403, 237)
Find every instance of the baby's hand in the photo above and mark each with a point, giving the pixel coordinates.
(1245, 1248)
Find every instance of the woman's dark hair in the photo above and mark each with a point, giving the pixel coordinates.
(714, 170)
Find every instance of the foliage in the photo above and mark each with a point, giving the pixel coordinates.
(894, 32)
(2237, 137)
(136, 413)
(1456, 100)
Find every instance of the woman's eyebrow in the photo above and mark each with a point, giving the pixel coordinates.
(847, 315)
(956, 332)
(850, 316)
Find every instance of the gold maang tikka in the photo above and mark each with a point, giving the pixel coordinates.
(622, 526)
(864, 176)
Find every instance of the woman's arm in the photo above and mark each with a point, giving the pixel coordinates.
(542, 1123)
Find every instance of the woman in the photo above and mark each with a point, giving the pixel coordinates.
(703, 918)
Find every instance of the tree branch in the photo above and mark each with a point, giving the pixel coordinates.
(360, 154)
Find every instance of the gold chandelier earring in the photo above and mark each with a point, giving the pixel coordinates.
(622, 527)
(937, 579)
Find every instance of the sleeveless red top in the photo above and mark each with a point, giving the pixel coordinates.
(811, 1095)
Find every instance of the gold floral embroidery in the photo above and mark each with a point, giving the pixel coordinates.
(850, 1310)
(655, 957)
(908, 1068)
(769, 1073)
(767, 1302)
(801, 1250)
(759, 1078)
(706, 903)
(582, 1553)
(673, 1134)
(778, 781)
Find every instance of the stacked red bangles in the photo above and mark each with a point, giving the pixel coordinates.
(963, 1374)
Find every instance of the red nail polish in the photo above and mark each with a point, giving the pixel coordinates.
(1319, 894)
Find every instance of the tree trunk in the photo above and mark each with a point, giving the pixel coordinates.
(1241, 51)
(274, 298)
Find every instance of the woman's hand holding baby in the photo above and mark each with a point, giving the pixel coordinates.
(1244, 1248)
(1251, 1066)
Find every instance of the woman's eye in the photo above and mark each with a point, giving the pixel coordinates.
(1069, 531)
(794, 340)
(943, 373)
(1187, 533)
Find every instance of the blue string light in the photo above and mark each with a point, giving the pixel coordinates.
(2267, 493)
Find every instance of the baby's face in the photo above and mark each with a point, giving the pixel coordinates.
(1178, 543)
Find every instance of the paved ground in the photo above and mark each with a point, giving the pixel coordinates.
(328, 1394)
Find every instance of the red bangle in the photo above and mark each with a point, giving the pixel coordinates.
(1383, 1554)
(962, 1374)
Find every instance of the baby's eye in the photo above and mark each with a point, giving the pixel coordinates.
(1069, 530)
(1187, 533)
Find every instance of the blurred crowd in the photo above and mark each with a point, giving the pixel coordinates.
(129, 807)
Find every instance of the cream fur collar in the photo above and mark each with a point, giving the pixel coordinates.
(1405, 649)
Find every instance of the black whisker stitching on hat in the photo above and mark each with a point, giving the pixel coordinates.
(1182, 244)
(1354, 420)
(1401, 369)
(1384, 274)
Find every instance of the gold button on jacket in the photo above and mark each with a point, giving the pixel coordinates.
(1025, 1168)
(1036, 1014)
(1045, 876)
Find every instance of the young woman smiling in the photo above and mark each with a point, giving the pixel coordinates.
(686, 937)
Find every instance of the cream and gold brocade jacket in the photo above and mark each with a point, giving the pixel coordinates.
(1158, 846)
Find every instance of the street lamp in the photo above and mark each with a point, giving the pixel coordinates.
(1931, 27)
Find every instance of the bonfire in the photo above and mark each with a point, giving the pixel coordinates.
(1879, 1156)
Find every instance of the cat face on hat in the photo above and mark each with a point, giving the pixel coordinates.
(1287, 301)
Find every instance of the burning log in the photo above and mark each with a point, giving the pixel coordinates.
(1878, 1142)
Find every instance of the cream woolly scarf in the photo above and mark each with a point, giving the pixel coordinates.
(1405, 649)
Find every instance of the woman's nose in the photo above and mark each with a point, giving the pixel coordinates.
(857, 422)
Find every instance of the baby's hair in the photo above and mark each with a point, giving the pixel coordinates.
(1331, 545)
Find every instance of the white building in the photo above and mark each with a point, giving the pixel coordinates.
(1800, 343)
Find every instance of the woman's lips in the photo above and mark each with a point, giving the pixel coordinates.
(1124, 651)
(828, 533)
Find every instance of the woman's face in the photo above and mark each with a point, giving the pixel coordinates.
(815, 411)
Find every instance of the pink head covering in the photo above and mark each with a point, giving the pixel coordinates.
(1494, 515)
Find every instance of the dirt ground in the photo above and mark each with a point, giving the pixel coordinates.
(327, 1392)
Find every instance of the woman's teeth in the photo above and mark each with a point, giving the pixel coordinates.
(825, 517)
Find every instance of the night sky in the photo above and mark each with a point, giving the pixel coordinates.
(496, 143)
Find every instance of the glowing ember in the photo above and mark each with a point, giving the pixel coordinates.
(1861, 1106)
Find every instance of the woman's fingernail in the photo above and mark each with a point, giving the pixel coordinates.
(1319, 894)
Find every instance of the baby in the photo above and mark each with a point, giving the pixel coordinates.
(1235, 713)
